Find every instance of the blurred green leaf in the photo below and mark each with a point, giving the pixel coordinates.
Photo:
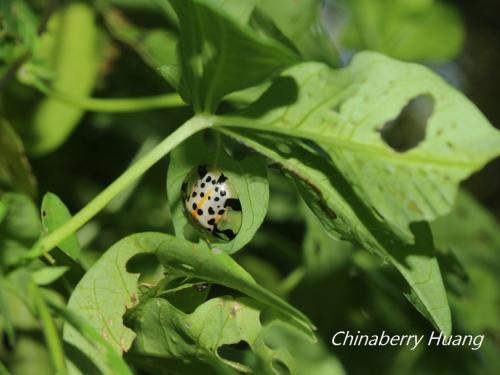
(15, 170)
(473, 235)
(70, 50)
(19, 21)
(214, 50)
(248, 176)
(300, 21)
(20, 228)
(406, 30)
(55, 214)
(47, 275)
(157, 47)
(52, 339)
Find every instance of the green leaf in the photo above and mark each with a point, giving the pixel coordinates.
(101, 297)
(472, 235)
(167, 333)
(47, 275)
(353, 114)
(214, 50)
(70, 50)
(301, 22)
(341, 211)
(20, 22)
(20, 228)
(116, 364)
(55, 214)
(248, 176)
(406, 30)
(15, 170)
(107, 289)
(183, 258)
(157, 47)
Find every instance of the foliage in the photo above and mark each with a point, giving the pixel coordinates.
(348, 178)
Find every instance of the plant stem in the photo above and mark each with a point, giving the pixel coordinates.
(49, 330)
(112, 105)
(189, 128)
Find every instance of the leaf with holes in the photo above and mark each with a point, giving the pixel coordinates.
(342, 212)
(352, 113)
(215, 49)
(101, 298)
(209, 334)
(107, 289)
(248, 176)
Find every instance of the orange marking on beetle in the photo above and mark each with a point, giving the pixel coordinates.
(201, 203)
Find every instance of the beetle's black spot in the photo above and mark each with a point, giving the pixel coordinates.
(221, 212)
(223, 193)
(199, 212)
(202, 195)
(221, 179)
(202, 184)
(216, 199)
(194, 194)
(233, 203)
(211, 221)
(214, 182)
(202, 171)
(209, 197)
(223, 234)
(194, 206)
(216, 189)
(211, 211)
(208, 179)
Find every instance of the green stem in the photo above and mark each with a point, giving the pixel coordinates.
(112, 105)
(49, 330)
(189, 128)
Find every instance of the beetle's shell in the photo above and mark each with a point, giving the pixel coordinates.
(212, 203)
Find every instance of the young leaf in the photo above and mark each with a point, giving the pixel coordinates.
(214, 51)
(54, 214)
(354, 113)
(47, 275)
(70, 48)
(15, 169)
(248, 176)
(344, 214)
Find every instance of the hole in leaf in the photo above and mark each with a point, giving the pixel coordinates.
(280, 367)
(147, 265)
(234, 352)
(408, 129)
